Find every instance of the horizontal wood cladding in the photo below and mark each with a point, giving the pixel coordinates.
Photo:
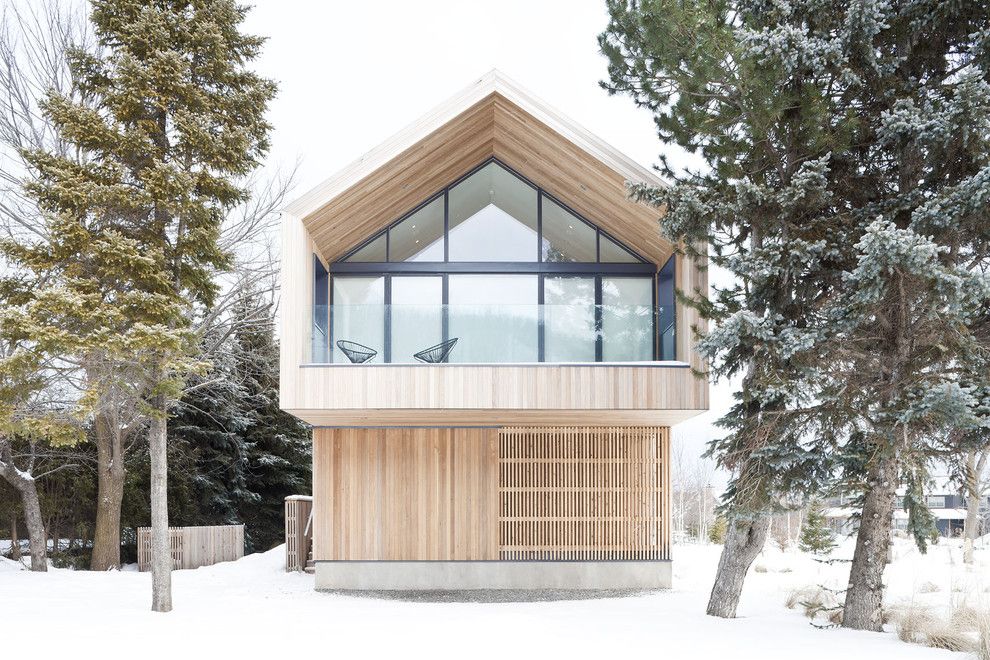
(478, 388)
(584, 493)
(444, 417)
(410, 494)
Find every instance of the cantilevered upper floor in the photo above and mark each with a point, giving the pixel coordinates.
(486, 266)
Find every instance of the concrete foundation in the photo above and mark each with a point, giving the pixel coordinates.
(456, 575)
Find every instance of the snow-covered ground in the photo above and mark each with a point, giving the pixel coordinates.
(251, 608)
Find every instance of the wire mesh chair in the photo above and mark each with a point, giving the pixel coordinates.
(436, 354)
(355, 352)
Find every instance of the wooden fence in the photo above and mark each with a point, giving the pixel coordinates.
(584, 493)
(298, 534)
(193, 547)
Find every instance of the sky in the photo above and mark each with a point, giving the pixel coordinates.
(353, 73)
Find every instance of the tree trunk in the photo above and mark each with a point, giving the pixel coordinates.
(25, 484)
(864, 597)
(161, 555)
(110, 494)
(973, 487)
(744, 540)
(15, 538)
(36, 528)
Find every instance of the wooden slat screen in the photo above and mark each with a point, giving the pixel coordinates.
(584, 493)
(297, 510)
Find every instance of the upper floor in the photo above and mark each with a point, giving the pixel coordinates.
(486, 264)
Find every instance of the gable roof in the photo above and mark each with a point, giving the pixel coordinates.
(494, 117)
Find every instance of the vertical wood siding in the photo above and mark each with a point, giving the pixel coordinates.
(192, 547)
(584, 493)
(405, 493)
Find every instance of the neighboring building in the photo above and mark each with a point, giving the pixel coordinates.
(481, 327)
(944, 501)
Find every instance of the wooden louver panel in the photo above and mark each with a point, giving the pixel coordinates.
(583, 493)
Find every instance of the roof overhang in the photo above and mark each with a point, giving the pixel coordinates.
(494, 117)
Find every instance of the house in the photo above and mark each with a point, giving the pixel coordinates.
(946, 504)
(481, 327)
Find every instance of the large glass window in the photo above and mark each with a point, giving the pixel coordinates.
(321, 312)
(665, 312)
(374, 250)
(497, 264)
(569, 318)
(493, 217)
(627, 319)
(358, 315)
(417, 315)
(495, 318)
(565, 236)
(420, 236)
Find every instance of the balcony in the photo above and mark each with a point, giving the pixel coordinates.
(489, 334)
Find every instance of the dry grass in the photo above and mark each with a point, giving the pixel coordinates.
(815, 601)
(929, 588)
(982, 650)
(965, 630)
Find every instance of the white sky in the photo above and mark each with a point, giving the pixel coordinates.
(353, 73)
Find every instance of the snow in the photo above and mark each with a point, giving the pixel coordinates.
(251, 607)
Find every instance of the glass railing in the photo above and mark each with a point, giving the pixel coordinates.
(369, 334)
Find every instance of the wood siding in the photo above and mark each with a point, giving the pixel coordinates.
(580, 493)
(411, 494)
(552, 493)
(494, 117)
(449, 395)
(192, 547)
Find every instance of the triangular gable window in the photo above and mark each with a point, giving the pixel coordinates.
(492, 215)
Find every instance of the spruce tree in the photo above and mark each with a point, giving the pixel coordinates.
(761, 209)
(846, 153)
(277, 445)
(178, 120)
(816, 535)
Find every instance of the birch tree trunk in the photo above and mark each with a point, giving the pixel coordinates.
(744, 540)
(863, 608)
(161, 555)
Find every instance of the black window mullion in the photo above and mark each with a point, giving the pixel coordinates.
(653, 317)
(445, 308)
(539, 225)
(446, 226)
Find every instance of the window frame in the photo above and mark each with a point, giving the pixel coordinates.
(597, 269)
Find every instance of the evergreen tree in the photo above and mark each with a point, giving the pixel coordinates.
(178, 119)
(277, 445)
(816, 535)
(847, 153)
(767, 130)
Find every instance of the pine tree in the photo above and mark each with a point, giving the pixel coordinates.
(816, 535)
(178, 120)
